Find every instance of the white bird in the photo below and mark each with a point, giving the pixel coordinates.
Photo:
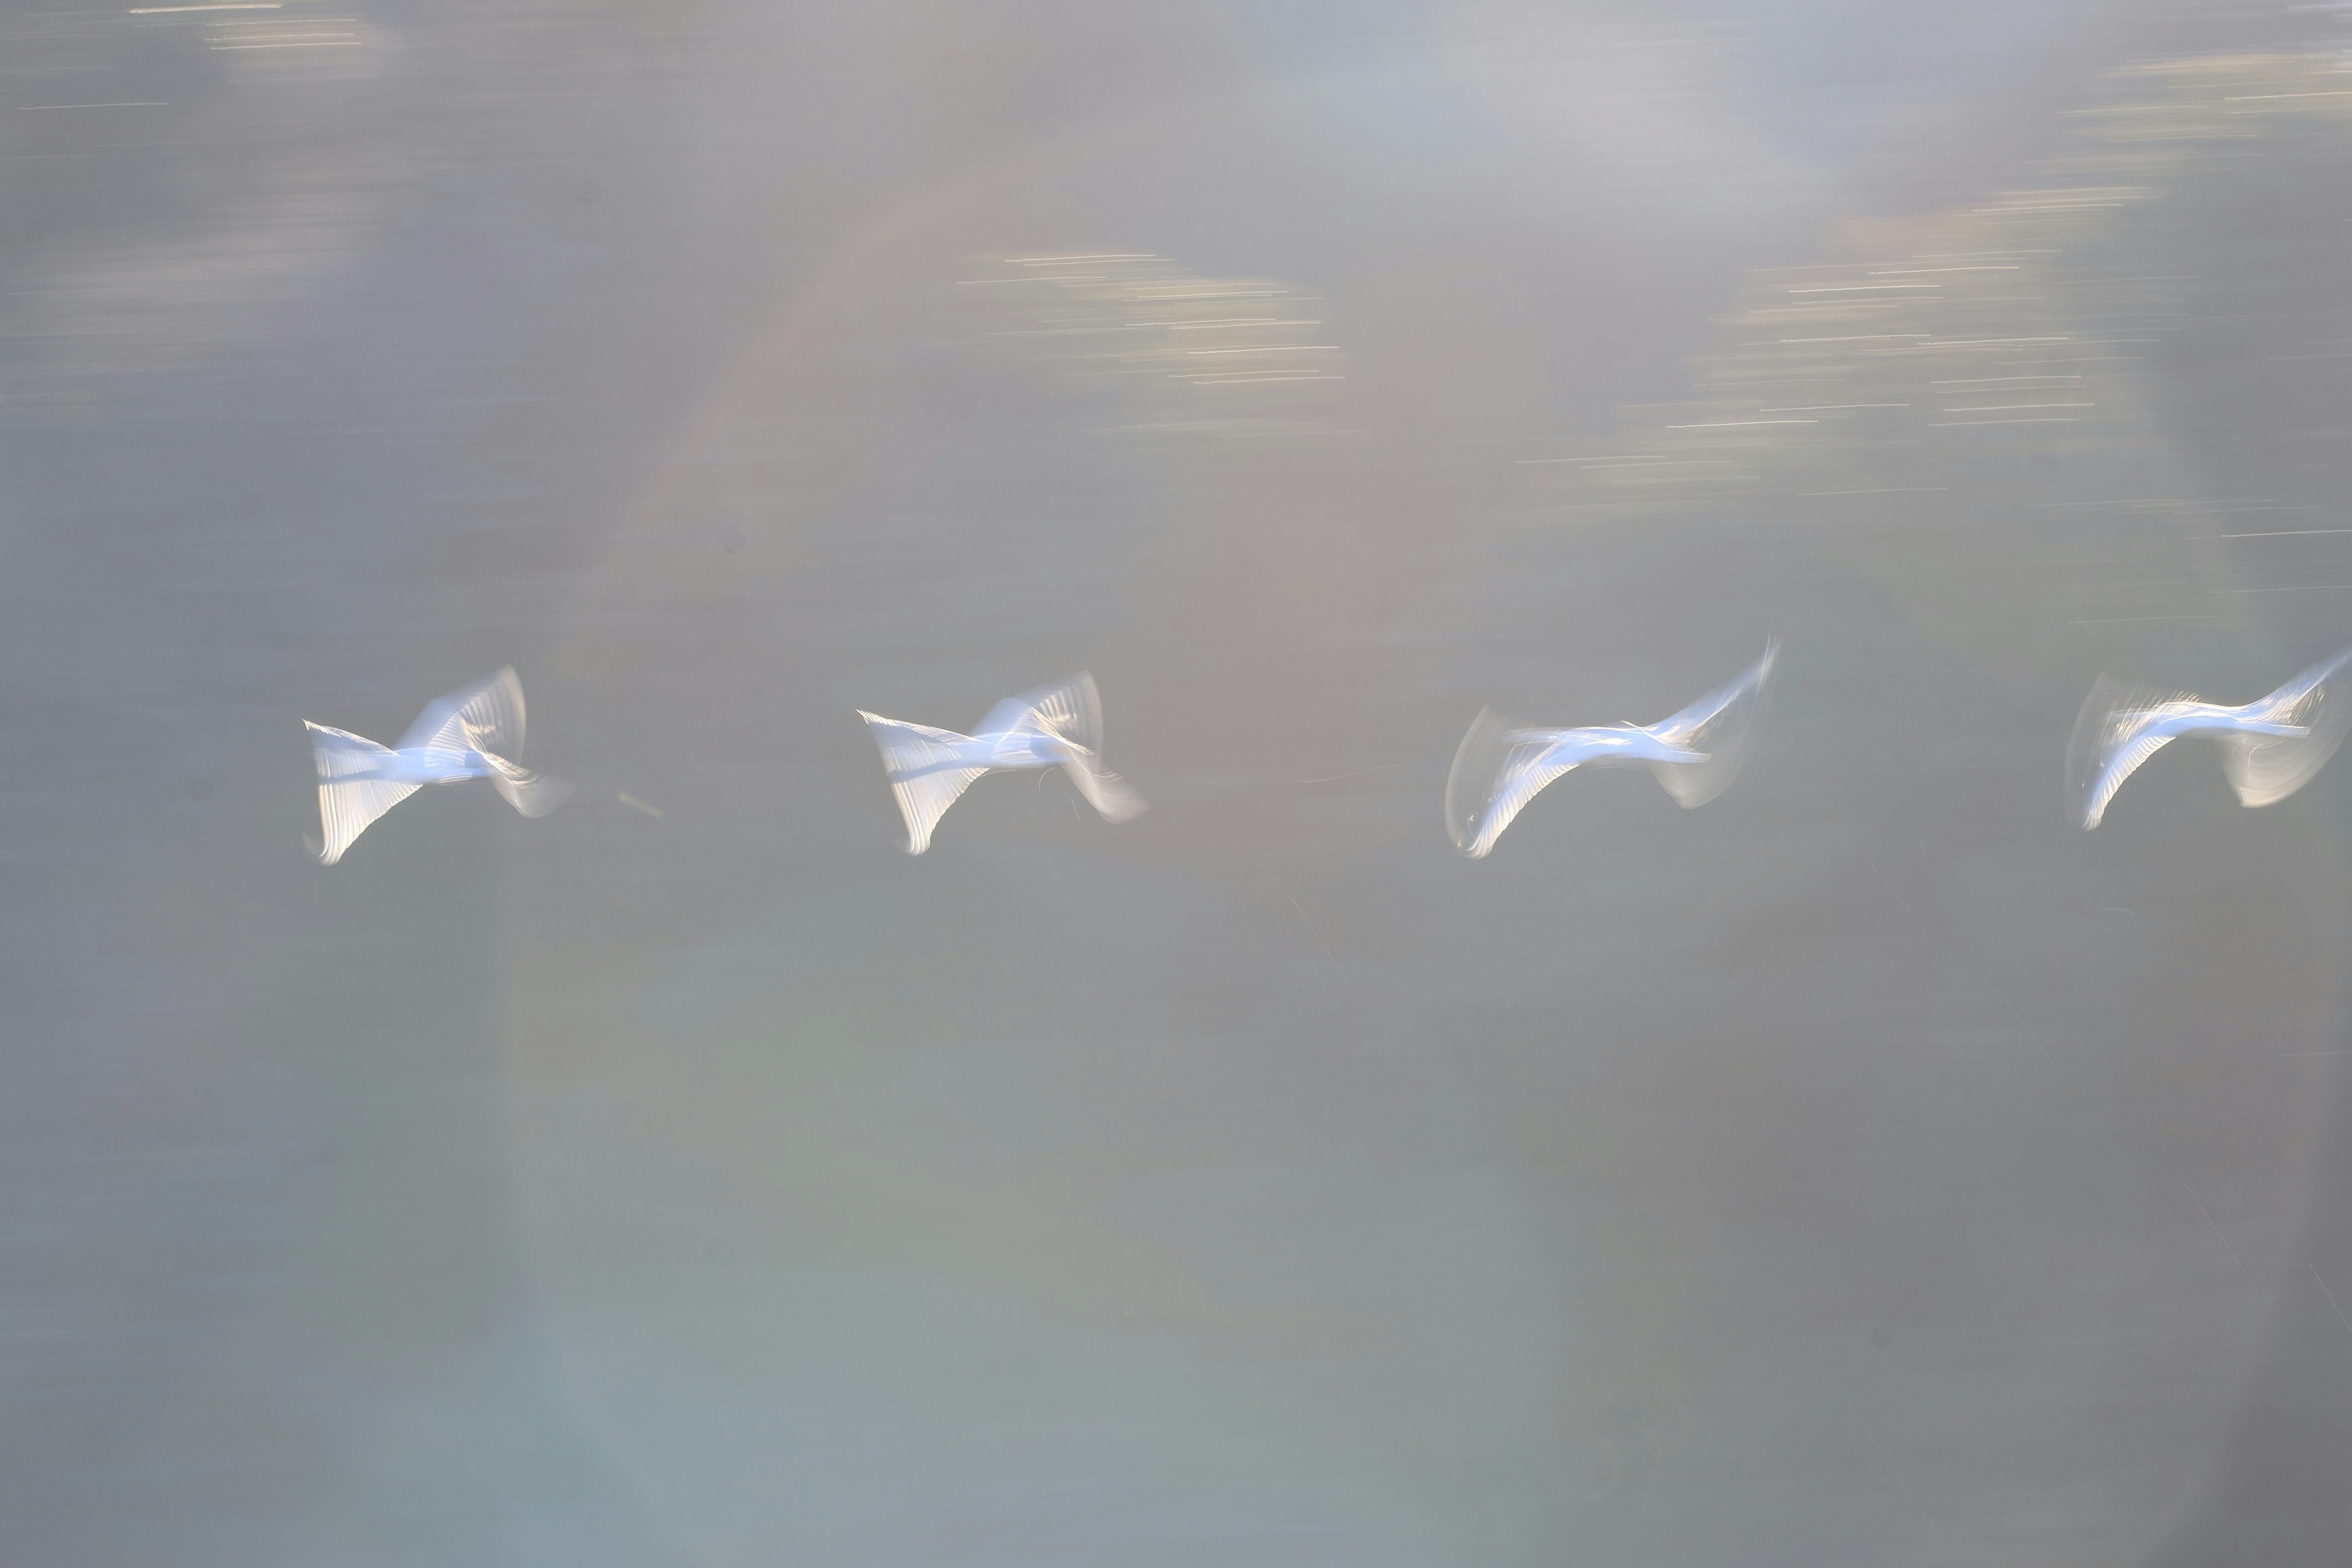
(2271, 747)
(1052, 727)
(465, 735)
(1695, 755)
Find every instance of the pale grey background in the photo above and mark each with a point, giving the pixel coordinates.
(1867, 1169)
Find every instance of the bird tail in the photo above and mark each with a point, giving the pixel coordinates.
(533, 795)
(2314, 712)
(1720, 730)
(923, 766)
(1105, 790)
(353, 791)
(1470, 785)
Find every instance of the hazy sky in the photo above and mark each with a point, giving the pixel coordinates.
(1866, 1168)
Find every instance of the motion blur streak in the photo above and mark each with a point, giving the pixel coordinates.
(1052, 727)
(468, 734)
(1695, 755)
(1104, 318)
(2271, 747)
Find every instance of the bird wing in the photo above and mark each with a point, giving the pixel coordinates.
(350, 794)
(485, 717)
(2112, 738)
(925, 770)
(1071, 710)
(1495, 775)
(533, 795)
(1117, 799)
(1723, 724)
(2266, 769)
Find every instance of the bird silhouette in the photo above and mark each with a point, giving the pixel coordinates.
(1057, 726)
(468, 735)
(1695, 755)
(2271, 747)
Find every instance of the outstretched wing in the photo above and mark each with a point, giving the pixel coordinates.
(2266, 769)
(1495, 772)
(485, 717)
(1107, 792)
(352, 790)
(2114, 734)
(1723, 724)
(533, 795)
(1071, 710)
(927, 772)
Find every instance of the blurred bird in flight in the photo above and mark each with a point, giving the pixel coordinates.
(1053, 727)
(1695, 755)
(2271, 747)
(468, 734)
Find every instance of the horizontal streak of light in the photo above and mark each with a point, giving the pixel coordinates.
(28, 108)
(2014, 407)
(232, 6)
(1238, 380)
(317, 44)
(1863, 288)
(1063, 332)
(2287, 533)
(2132, 500)
(1740, 423)
(1268, 349)
(1831, 407)
(1979, 424)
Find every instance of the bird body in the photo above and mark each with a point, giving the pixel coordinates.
(462, 736)
(2271, 747)
(425, 765)
(1696, 753)
(1604, 746)
(1057, 726)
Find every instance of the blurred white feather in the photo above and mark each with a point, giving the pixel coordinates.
(2271, 747)
(1695, 755)
(1054, 726)
(465, 735)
